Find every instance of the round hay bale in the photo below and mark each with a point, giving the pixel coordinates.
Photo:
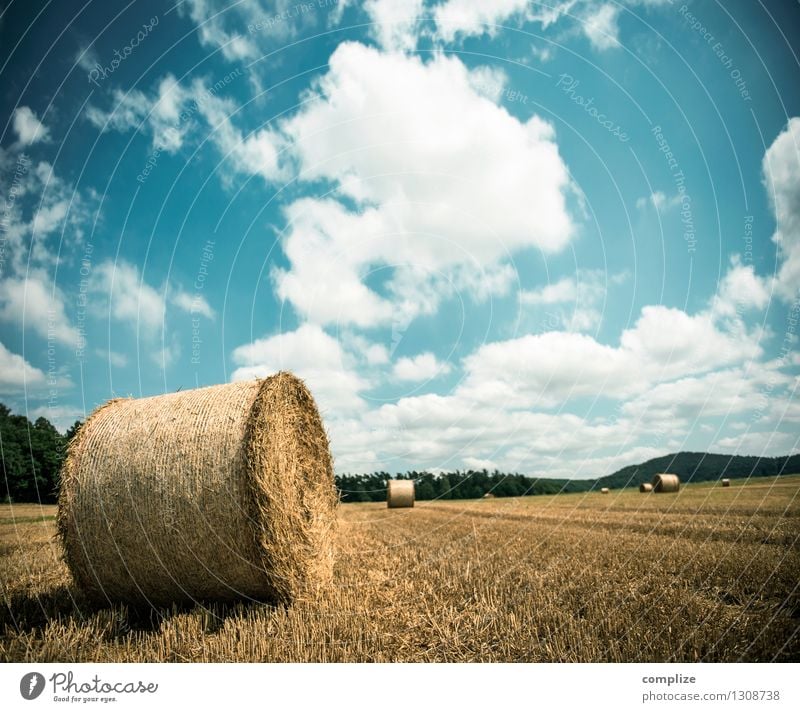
(645, 487)
(216, 493)
(665, 482)
(604, 490)
(489, 495)
(400, 493)
(726, 482)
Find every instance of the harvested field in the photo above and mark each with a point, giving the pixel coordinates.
(706, 574)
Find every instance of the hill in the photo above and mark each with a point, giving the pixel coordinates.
(701, 467)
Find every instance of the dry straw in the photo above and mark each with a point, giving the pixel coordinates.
(645, 487)
(400, 493)
(604, 490)
(665, 482)
(726, 483)
(215, 493)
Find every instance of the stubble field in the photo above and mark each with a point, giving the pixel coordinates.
(709, 574)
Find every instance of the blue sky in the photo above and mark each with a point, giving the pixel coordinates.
(556, 238)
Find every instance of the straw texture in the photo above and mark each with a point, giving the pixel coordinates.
(217, 493)
(645, 487)
(666, 482)
(400, 493)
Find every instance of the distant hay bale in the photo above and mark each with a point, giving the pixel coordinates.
(665, 482)
(400, 493)
(604, 490)
(488, 495)
(726, 482)
(216, 493)
(645, 487)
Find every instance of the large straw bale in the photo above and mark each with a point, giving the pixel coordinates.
(216, 493)
(665, 482)
(400, 493)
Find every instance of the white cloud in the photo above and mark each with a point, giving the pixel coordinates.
(42, 206)
(395, 22)
(475, 17)
(113, 357)
(160, 112)
(565, 290)
(248, 29)
(659, 200)
(169, 114)
(314, 356)
(49, 217)
(668, 373)
(256, 153)
(127, 297)
(741, 290)
(414, 144)
(27, 126)
(16, 374)
(573, 303)
(192, 304)
(34, 304)
(422, 367)
(61, 416)
(597, 21)
(121, 292)
(86, 58)
(718, 393)
(222, 26)
(781, 167)
(600, 25)
(764, 443)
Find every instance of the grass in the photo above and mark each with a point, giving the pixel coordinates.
(709, 574)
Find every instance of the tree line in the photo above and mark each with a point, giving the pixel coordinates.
(32, 454)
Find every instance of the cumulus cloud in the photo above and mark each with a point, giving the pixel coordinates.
(422, 367)
(42, 211)
(314, 356)
(475, 17)
(659, 200)
(16, 374)
(192, 303)
(771, 443)
(254, 153)
(395, 22)
(741, 290)
(160, 112)
(120, 292)
(124, 294)
(600, 25)
(781, 166)
(597, 21)
(513, 404)
(27, 126)
(61, 416)
(223, 26)
(573, 303)
(35, 304)
(413, 144)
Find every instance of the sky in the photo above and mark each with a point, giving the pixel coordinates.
(554, 238)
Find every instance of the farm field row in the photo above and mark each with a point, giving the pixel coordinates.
(707, 574)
